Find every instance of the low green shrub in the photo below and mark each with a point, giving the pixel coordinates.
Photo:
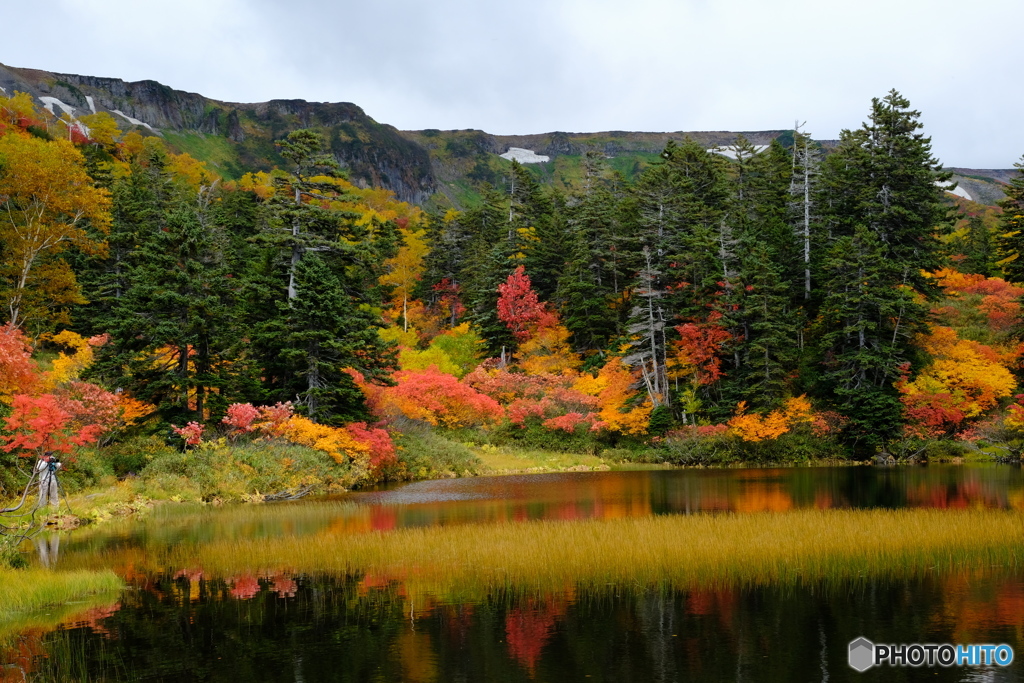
(10, 556)
(792, 447)
(223, 472)
(424, 453)
(133, 455)
(534, 435)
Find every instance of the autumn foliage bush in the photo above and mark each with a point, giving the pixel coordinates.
(795, 432)
(367, 449)
(438, 399)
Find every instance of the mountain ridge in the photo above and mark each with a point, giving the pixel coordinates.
(427, 167)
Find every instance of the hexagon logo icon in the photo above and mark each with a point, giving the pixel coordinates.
(862, 654)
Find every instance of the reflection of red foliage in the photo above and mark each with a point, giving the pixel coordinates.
(284, 585)
(244, 587)
(92, 619)
(380, 582)
(383, 519)
(458, 622)
(193, 575)
(528, 629)
(21, 656)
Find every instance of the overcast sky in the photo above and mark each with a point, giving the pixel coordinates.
(535, 66)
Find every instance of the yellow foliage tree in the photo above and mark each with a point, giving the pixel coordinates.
(18, 110)
(415, 359)
(46, 200)
(69, 367)
(971, 373)
(547, 351)
(260, 183)
(103, 129)
(404, 270)
(404, 338)
(614, 392)
(190, 172)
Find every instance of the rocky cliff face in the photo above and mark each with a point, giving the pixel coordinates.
(374, 154)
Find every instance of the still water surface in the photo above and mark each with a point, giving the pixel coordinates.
(274, 626)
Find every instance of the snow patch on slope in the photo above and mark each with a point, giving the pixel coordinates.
(958, 191)
(731, 151)
(92, 105)
(134, 122)
(50, 102)
(524, 156)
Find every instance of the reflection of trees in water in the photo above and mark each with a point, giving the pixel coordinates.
(338, 629)
(529, 626)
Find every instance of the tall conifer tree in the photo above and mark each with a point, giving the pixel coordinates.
(882, 206)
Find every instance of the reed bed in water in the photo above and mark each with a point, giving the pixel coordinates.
(26, 590)
(703, 549)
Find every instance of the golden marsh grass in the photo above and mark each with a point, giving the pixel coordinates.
(683, 551)
(27, 590)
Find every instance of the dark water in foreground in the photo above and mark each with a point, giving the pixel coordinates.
(268, 626)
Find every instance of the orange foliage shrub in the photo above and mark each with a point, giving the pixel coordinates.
(273, 418)
(437, 398)
(335, 441)
(547, 397)
(382, 448)
(753, 427)
(616, 400)
(1015, 414)
(132, 410)
(996, 298)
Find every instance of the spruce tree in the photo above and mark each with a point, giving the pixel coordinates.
(591, 283)
(173, 327)
(141, 200)
(309, 322)
(680, 242)
(1011, 239)
(328, 330)
(881, 205)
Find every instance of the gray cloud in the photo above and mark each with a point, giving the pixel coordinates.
(576, 65)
